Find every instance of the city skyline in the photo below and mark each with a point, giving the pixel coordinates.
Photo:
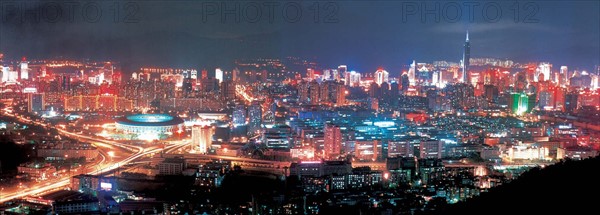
(298, 107)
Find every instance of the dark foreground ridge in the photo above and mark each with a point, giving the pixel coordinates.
(568, 186)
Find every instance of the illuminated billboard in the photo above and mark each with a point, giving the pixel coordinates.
(105, 186)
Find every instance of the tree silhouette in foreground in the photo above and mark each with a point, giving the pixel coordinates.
(569, 186)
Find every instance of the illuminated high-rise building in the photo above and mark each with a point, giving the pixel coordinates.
(404, 82)
(134, 76)
(435, 78)
(394, 93)
(13, 75)
(227, 90)
(564, 76)
(239, 115)
(303, 92)
(347, 78)
(545, 100)
(326, 74)
(595, 83)
(219, 75)
(35, 102)
(558, 94)
(5, 73)
(314, 92)
(335, 75)
(341, 93)
(381, 76)
(204, 74)
(333, 141)
(465, 60)
(343, 71)
(431, 149)
(571, 101)
(519, 103)
(202, 138)
(254, 117)
(107, 73)
(310, 74)
(277, 136)
(235, 74)
(543, 72)
(187, 87)
(411, 73)
(24, 70)
(433, 99)
(491, 93)
(194, 74)
(327, 92)
(65, 82)
(354, 78)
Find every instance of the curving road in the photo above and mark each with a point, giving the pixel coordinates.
(114, 155)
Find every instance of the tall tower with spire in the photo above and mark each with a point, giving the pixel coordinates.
(466, 57)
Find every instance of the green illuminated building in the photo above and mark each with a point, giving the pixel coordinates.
(519, 103)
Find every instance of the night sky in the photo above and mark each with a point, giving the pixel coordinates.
(361, 34)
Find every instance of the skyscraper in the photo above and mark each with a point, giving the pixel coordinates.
(65, 82)
(381, 76)
(202, 138)
(433, 100)
(35, 102)
(404, 82)
(303, 92)
(543, 72)
(571, 101)
(239, 115)
(411, 73)
(24, 70)
(343, 71)
(204, 74)
(564, 76)
(354, 78)
(187, 87)
(333, 141)
(255, 117)
(466, 58)
(194, 74)
(219, 74)
(108, 72)
(228, 90)
(314, 92)
(519, 103)
(326, 74)
(310, 74)
(394, 93)
(5, 73)
(335, 75)
(340, 94)
(235, 74)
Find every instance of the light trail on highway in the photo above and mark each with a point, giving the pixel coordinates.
(112, 164)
